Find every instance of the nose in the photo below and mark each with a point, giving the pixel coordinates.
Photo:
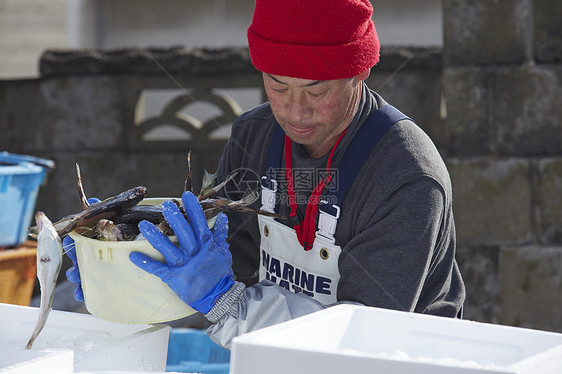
(297, 107)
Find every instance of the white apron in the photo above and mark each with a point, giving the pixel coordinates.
(284, 261)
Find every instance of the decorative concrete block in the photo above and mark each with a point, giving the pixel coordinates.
(22, 109)
(481, 32)
(491, 201)
(84, 113)
(530, 284)
(525, 110)
(547, 35)
(466, 126)
(547, 186)
(479, 267)
(404, 89)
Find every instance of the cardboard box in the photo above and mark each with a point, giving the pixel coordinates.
(359, 339)
(97, 344)
(17, 273)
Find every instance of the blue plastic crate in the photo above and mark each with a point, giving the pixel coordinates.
(20, 179)
(192, 351)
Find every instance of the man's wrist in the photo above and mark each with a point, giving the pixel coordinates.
(226, 302)
(208, 301)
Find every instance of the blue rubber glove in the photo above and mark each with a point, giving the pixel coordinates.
(73, 274)
(199, 271)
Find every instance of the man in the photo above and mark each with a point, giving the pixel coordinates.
(374, 226)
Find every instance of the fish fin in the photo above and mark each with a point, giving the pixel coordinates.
(188, 179)
(250, 198)
(39, 219)
(32, 232)
(242, 205)
(250, 210)
(218, 187)
(81, 193)
(208, 183)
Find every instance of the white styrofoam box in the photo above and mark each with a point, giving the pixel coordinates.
(360, 339)
(48, 361)
(97, 344)
(125, 372)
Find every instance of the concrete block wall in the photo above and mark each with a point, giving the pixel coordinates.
(83, 108)
(83, 111)
(502, 81)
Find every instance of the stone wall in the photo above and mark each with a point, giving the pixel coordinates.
(84, 109)
(502, 83)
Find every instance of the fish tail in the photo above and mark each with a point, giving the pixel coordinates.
(212, 191)
(38, 327)
(243, 205)
(207, 184)
(245, 201)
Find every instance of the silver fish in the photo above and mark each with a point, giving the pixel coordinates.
(49, 261)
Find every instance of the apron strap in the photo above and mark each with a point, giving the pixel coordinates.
(269, 180)
(362, 144)
(357, 152)
(275, 150)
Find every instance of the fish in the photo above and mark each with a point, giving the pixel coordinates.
(49, 261)
(109, 231)
(106, 230)
(212, 207)
(124, 211)
(81, 193)
(188, 179)
(107, 209)
(137, 213)
(125, 226)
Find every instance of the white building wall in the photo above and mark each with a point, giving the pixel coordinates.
(119, 23)
(27, 27)
(409, 22)
(224, 22)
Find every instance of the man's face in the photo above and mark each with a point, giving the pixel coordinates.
(313, 113)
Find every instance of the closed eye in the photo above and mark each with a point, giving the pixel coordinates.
(317, 94)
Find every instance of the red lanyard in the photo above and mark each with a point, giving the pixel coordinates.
(306, 229)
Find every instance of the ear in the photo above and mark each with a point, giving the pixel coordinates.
(364, 75)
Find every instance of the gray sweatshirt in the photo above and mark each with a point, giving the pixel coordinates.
(396, 228)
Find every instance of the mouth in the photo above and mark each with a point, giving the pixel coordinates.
(300, 130)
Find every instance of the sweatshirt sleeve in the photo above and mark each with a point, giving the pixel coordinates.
(402, 259)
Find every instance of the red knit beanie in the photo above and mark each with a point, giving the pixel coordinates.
(313, 39)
